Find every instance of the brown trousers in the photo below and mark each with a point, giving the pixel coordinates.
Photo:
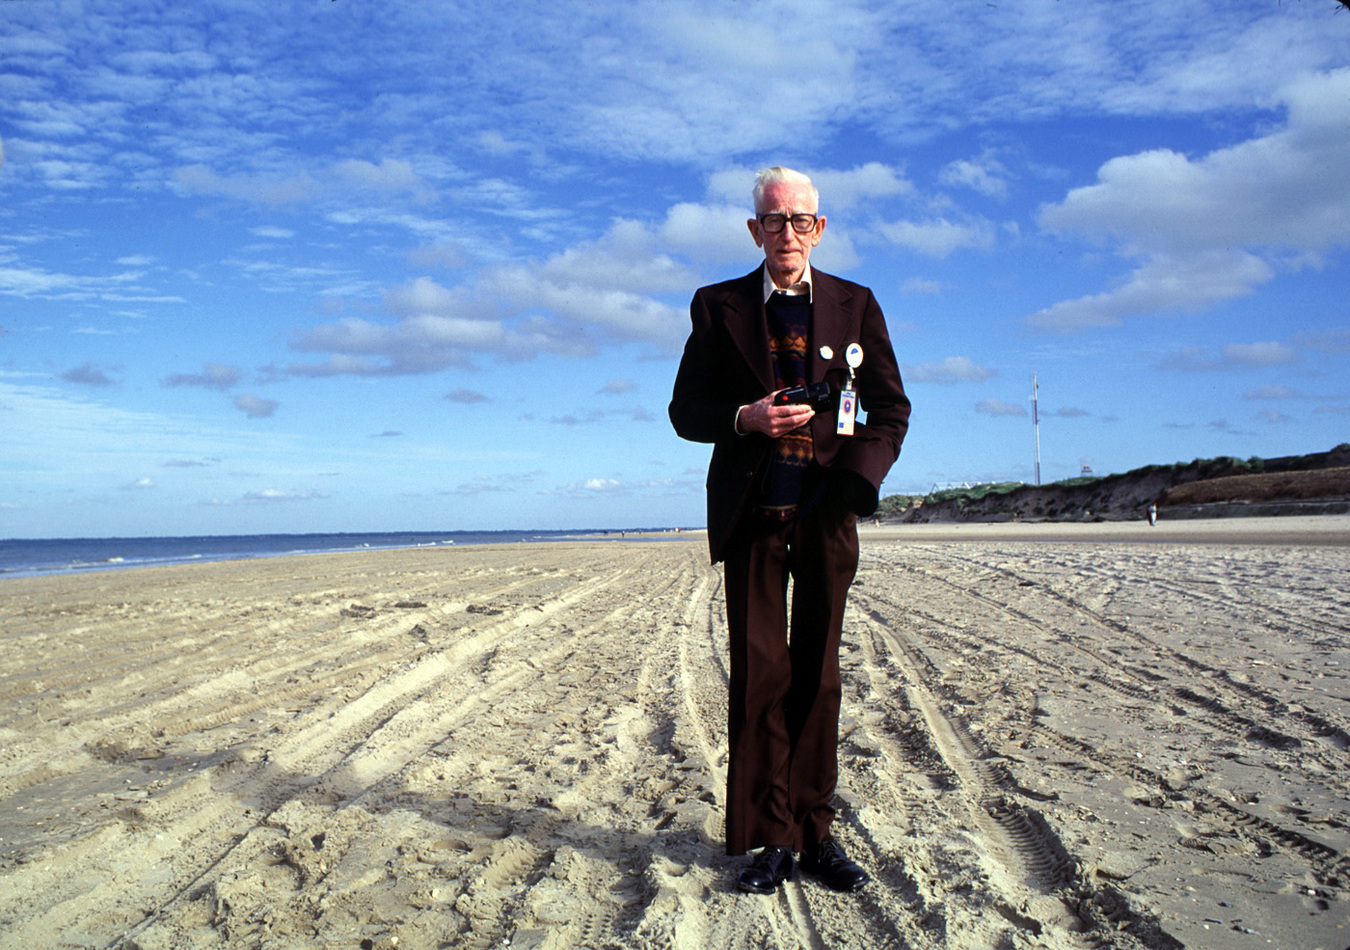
(783, 723)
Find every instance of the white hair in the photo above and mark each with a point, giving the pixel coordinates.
(780, 175)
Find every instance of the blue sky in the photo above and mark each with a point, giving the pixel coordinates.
(346, 266)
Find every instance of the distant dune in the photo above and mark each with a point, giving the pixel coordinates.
(1318, 483)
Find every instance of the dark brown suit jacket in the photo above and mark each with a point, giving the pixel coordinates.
(727, 364)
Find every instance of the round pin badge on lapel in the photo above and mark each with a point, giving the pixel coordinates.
(826, 353)
(853, 355)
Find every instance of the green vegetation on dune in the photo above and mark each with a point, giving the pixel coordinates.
(1105, 497)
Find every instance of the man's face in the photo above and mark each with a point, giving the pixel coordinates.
(786, 252)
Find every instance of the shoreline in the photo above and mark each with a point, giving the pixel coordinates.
(1316, 530)
(43, 557)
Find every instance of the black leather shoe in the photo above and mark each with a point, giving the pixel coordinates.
(771, 867)
(828, 862)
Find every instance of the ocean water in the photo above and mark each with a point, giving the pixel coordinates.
(26, 558)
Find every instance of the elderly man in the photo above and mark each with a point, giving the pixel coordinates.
(792, 469)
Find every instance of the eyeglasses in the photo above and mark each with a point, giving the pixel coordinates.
(773, 223)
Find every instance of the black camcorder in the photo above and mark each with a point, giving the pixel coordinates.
(815, 395)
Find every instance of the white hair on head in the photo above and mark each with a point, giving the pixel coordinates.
(787, 176)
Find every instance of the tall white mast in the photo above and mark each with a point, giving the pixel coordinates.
(1036, 425)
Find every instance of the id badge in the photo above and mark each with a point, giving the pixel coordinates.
(848, 411)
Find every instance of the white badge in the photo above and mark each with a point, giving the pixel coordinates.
(848, 411)
(848, 397)
(826, 353)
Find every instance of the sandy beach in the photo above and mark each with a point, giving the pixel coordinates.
(1053, 736)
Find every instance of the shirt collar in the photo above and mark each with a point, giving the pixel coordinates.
(802, 286)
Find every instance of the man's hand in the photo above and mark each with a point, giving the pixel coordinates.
(763, 416)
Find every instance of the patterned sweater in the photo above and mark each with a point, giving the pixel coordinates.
(786, 480)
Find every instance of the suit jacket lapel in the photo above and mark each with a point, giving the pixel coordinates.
(829, 318)
(745, 323)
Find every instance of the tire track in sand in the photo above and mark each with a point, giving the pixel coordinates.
(1335, 734)
(262, 774)
(1328, 865)
(1036, 868)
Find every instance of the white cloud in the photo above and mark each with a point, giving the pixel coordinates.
(595, 416)
(482, 484)
(1333, 341)
(87, 375)
(268, 496)
(1255, 355)
(847, 189)
(598, 485)
(447, 254)
(629, 257)
(985, 175)
(954, 369)
(673, 87)
(920, 285)
(429, 344)
(1232, 356)
(497, 145)
(191, 463)
(422, 296)
(256, 407)
(598, 292)
(268, 190)
(83, 437)
(1230, 62)
(38, 283)
(670, 83)
(148, 61)
(1031, 61)
(1164, 283)
(390, 175)
(712, 233)
(939, 237)
(997, 407)
(213, 376)
(732, 185)
(1291, 195)
(1222, 425)
(1273, 392)
(271, 494)
(1212, 229)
